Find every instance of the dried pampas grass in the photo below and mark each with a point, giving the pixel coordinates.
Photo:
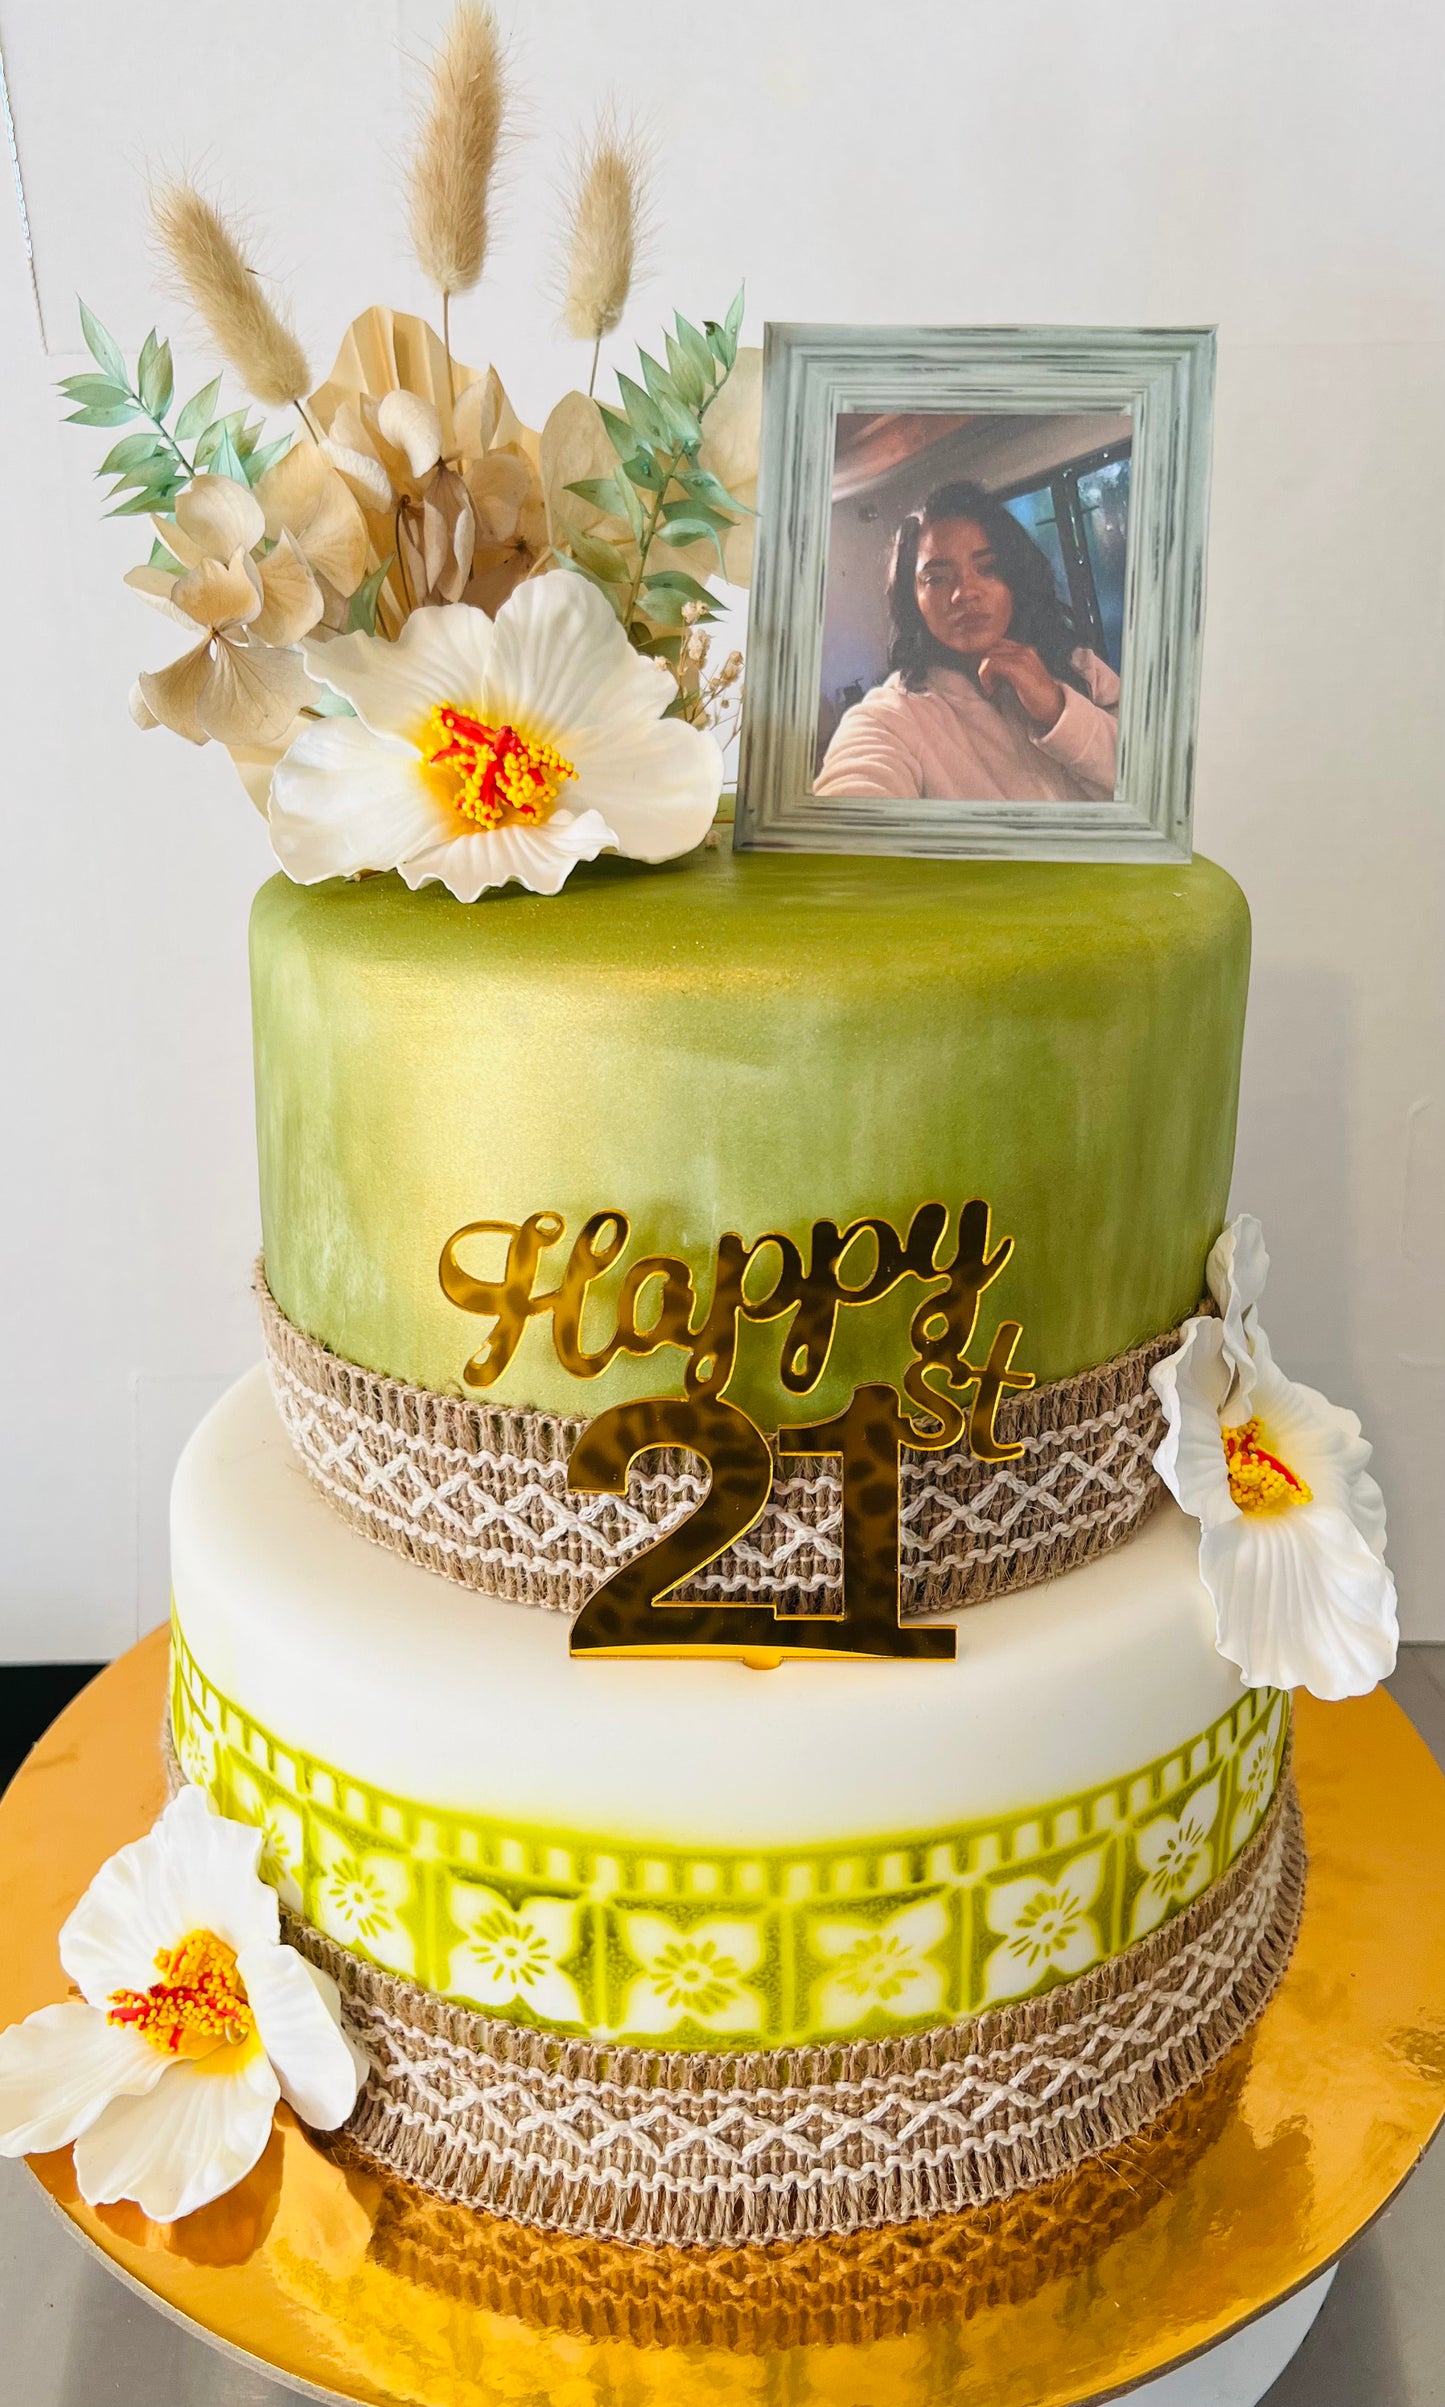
(606, 227)
(227, 293)
(457, 152)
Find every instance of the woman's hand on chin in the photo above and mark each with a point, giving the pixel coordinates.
(1039, 692)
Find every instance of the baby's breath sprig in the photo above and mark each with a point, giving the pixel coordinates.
(707, 697)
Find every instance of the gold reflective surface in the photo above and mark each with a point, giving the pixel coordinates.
(636, 1611)
(618, 1617)
(939, 1377)
(335, 2277)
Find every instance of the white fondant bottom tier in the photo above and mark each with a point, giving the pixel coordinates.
(699, 1855)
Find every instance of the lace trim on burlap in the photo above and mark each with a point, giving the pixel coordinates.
(845, 2291)
(478, 1492)
(652, 2145)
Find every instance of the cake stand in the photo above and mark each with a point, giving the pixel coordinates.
(1183, 2271)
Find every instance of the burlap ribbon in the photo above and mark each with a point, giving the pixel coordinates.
(650, 2145)
(478, 1492)
(846, 2291)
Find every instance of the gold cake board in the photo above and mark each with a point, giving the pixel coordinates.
(347, 2285)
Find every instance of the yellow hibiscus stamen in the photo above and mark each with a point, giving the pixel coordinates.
(198, 2005)
(1259, 1481)
(493, 773)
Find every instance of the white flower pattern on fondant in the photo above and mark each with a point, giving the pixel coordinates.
(1047, 1928)
(1176, 1855)
(283, 1836)
(766, 1960)
(360, 1898)
(200, 1752)
(1254, 1779)
(695, 1973)
(512, 1955)
(882, 1965)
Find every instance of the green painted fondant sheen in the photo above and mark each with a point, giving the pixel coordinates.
(619, 1935)
(749, 1042)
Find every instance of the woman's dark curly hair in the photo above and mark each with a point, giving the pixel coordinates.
(1039, 617)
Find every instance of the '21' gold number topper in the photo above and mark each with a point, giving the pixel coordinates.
(638, 1610)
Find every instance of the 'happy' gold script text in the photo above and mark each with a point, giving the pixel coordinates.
(960, 1397)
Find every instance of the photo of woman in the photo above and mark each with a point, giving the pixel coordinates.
(991, 695)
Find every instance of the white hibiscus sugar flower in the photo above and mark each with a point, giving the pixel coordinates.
(483, 751)
(193, 2021)
(1291, 1525)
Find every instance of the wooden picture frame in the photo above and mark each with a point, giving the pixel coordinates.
(1163, 378)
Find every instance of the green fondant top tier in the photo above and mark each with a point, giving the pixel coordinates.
(748, 1042)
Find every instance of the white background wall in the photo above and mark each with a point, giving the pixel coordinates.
(1269, 165)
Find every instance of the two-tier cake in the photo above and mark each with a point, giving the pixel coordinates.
(730, 1673)
(689, 1949)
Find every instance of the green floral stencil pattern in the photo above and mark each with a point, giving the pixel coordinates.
(614, 1937)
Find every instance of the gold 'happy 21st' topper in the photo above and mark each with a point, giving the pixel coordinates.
(959, 1397)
